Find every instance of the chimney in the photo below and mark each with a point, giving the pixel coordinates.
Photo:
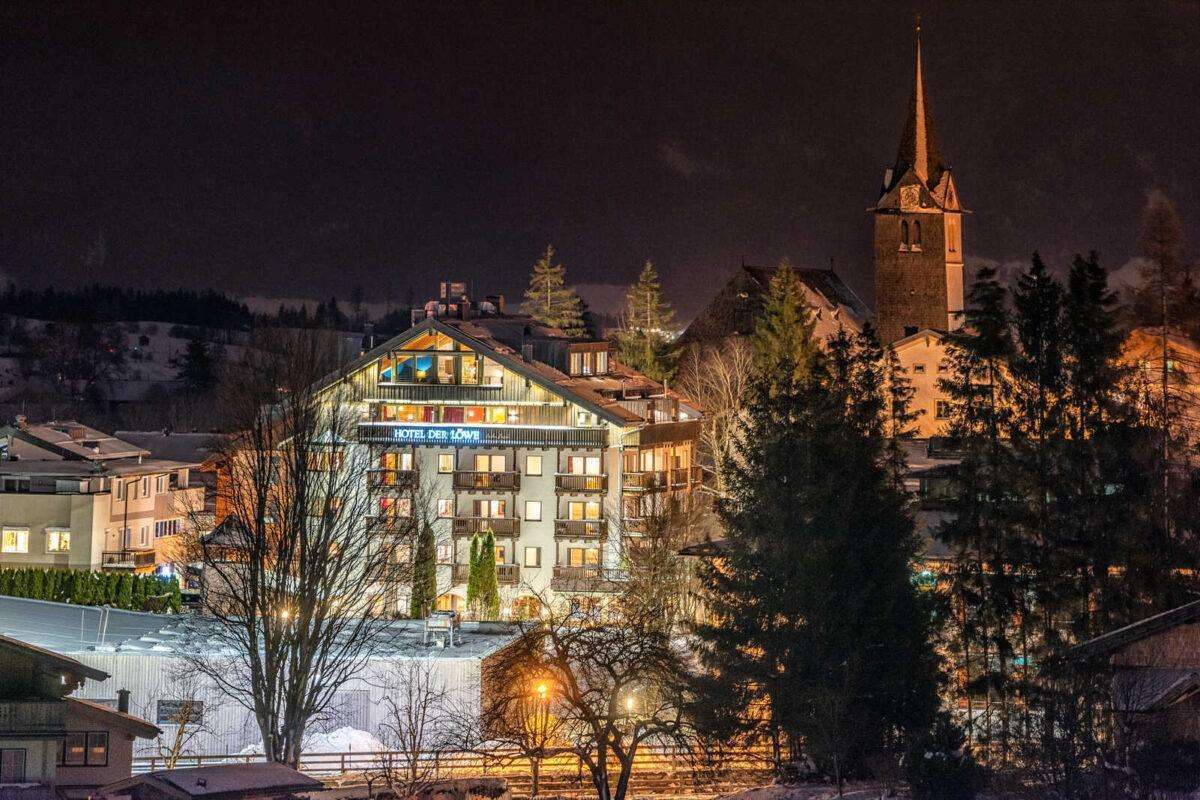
(123, 701)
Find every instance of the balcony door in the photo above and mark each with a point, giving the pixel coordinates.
(583, 465)
(491, 509)
(490, 463)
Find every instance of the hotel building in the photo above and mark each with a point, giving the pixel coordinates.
(509, 426)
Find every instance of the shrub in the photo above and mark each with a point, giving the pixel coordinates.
(938, 766)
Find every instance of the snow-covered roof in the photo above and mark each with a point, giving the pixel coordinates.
(69, 629)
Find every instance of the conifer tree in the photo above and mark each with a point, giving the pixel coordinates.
(643, 339)
(489, 586)
(125, 592)
(473, 574)
(549, 300)
(199, 369)
(37, 584)
(424, 580)
(819, 533)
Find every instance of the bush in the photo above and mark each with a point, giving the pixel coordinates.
(938, 766)
(119, 590)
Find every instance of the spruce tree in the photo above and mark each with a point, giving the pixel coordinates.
(125, 591)
(424, 578)
(199, 369)
(643, 338)
(37, 584)
(175, 603)
(549, 300)
(813, 606)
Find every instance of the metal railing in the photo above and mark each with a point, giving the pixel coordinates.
(127, 559)
(465, 480)
(569, 482)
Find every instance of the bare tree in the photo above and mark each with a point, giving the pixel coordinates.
(189, 717)
(610, 687)
(294, 580)
(716, 377)
(417, 712)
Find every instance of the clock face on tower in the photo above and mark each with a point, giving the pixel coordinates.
(910, 197)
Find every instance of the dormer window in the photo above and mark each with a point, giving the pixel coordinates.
(904, 234)
(593, 361)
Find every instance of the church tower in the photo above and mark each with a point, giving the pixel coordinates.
(918, 232)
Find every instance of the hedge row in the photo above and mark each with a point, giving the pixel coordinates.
(116, 589)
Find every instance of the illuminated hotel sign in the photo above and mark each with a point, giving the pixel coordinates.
(428, 435)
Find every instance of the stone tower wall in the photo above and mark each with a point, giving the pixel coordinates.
(910, 285)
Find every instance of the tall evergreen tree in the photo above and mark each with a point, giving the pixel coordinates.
(473, 574)
(199, 368)
(424, 580)
(817, 583)
(489, 585)
(644, 339)
(549, 300)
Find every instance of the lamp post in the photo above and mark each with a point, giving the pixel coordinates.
(541, 727)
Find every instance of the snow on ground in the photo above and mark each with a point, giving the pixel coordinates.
(852, 791)
(342, 740)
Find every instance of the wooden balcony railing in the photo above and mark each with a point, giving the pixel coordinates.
(506, 574)
(592, 578)
(489, 481)
(579, 528)
(501, 526)
(392, 479)
(646, 481)
(127, 559)
(566, 482)
(34, 719)
(684, 476)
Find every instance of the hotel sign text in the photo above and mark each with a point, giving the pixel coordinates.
(423, 435)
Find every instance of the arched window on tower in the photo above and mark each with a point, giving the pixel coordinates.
(904, 234)
(916, 240)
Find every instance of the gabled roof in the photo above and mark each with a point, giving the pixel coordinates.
(1113, 641)
(51, 659)
(110, 716)
(221, 781)
(478, 338)
(735, 309)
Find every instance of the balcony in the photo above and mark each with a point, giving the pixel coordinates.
(506, 574)
(469, 480)
(388, 525)
(579, 528)
(592, 578)
(567, 482)
(34, 720)
(127, 559)
(646, 481)
(395, 480)
(500, 526)
(685, 476)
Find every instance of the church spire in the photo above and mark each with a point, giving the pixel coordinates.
(918, 147)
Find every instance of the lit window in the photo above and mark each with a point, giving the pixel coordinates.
(58, 541)
(533, 556)
(497, 415)
(602, 362)
(583, 556)
(14, 540)
(492, 509)
(445, 507)
(533, 465)
(919, 369)
(943, 409)
(576, 367)
(489, 463)
(499, 554)
(493, 373)
(445, 462)
(533, 510)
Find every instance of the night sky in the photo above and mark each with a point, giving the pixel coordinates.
(265, 150)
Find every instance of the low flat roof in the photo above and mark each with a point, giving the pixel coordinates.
(69, 629)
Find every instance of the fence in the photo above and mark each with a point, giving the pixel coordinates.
(650, 760)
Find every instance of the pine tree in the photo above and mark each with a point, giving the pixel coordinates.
(199, 369)
(643, 338)
(424, 579)
(549, 300)
(488, 586)
(819, 531)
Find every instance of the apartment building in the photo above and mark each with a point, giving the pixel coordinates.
(72, 496)
(548, 442)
